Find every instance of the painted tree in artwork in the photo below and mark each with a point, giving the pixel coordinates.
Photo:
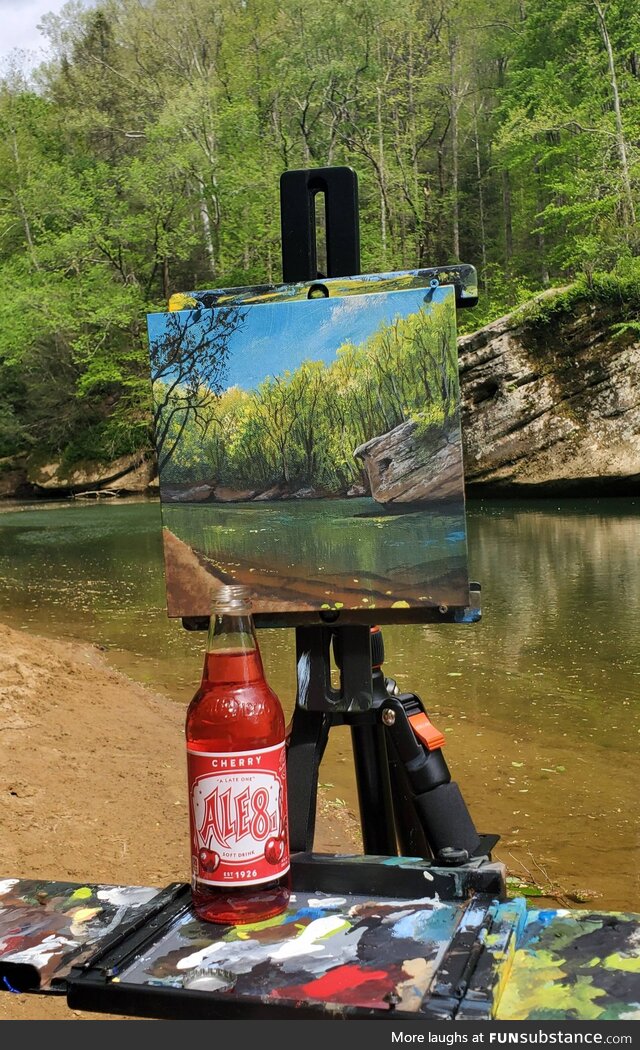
(188, 360)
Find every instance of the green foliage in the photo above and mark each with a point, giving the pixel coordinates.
(506, 293)
(100, 442)
(300, 429)
(144, 158)
(618, 290)
(569, 114)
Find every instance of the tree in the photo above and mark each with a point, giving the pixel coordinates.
(567, 113)
(188, 352)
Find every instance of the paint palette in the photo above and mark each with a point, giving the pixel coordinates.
(414, 942)
(326, 950)
(48, 927)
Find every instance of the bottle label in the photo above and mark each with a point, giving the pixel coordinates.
(238, 800)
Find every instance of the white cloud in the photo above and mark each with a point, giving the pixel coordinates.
(19, 27)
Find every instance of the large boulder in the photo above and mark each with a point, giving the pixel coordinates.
(273, 493)
(186, 493)
(414, 464)
(226, 494)
(551, 400)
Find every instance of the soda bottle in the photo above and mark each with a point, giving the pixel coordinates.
(236, 759)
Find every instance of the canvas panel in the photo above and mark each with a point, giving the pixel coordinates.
(311, 448)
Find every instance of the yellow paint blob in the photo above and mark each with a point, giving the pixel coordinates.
(538, 987)
(81, 894)
(244, 932)
(180, 301)
(628, 963)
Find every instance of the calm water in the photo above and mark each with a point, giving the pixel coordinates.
(362, 555)
(539, 701)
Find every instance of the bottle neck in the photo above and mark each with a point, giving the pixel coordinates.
(232, 653)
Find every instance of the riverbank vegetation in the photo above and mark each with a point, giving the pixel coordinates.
(143, 158)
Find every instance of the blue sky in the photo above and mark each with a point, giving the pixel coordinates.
(277, 337)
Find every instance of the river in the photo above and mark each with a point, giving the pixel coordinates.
(539, 701)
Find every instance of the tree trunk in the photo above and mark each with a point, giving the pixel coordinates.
(21, 208)
(628, 208)
(383, 187)
(455, 210)
(483, 237)
(506, 212)
(540, 238)
(206, 229)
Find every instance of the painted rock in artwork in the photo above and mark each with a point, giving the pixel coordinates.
(413, 463)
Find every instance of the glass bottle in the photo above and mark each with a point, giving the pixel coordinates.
(236, 759)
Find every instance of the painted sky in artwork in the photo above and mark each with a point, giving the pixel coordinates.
(276, 337)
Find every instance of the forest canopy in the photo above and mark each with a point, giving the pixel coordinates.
(143, 158)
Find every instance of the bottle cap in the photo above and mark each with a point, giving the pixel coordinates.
(231, 598)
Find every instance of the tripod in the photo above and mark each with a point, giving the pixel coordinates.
(408, 803)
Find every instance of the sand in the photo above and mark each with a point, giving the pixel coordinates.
(93, 782)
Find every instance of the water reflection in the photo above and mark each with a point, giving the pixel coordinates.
(315, 552)
(538, 701)
(559, 638)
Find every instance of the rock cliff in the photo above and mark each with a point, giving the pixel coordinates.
(551, 400)
(550, 405)
(128, 474)
(411, 464)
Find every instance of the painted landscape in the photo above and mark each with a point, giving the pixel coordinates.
(312, 449)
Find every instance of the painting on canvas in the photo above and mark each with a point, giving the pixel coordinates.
(312, 450)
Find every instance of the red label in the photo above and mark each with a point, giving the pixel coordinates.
(238, 801)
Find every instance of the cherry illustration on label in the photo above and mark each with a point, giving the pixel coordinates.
(209, 860)
(274, 850)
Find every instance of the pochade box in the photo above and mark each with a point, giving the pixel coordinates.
(309, 445)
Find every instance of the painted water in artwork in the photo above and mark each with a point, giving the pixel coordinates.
(312, 450)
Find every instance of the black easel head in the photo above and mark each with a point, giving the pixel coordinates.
(298, 191)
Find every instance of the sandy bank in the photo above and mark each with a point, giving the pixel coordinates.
(93, 781)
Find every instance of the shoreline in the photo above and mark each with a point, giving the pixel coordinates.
(94, 789)
(93, 781)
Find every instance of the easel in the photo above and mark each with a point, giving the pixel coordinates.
(408, 803)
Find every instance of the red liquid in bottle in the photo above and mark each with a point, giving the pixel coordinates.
(235, 734)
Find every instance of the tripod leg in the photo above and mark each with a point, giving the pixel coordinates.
(438, 802)
(352, 650)
(412, 841)
(374, 790)
(307, 741)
